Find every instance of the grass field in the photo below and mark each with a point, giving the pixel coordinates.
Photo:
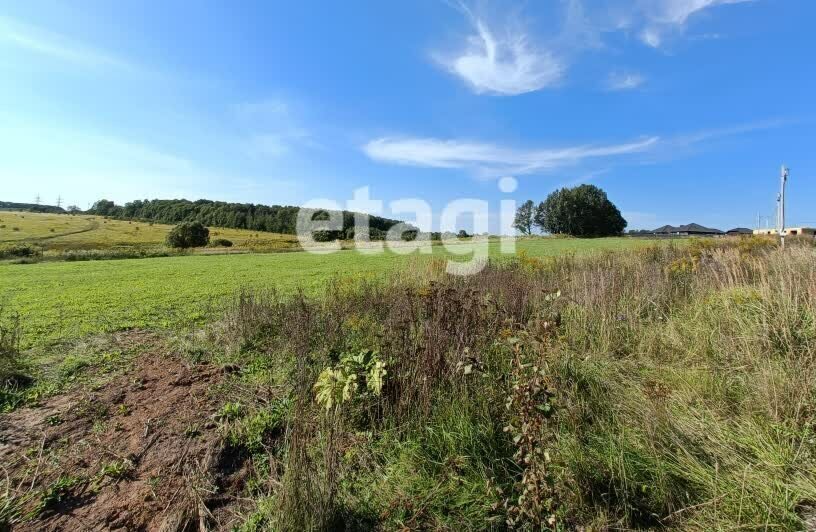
(634, 389)
(70, 299)
(63, 232)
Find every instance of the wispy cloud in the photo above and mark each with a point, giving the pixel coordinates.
(491, 159)
(739, 129)
(684, 145)
(679, 11)
(274, 128)
(508, 59)
(670, 16)
(505, 63)
(621, 81)
(58, 47)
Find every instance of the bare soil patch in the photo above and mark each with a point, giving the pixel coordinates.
(140, 453)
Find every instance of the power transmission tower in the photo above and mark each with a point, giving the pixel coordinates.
(37, 199)
(59, 201)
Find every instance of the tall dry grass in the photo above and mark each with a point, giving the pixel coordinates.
(662, 388)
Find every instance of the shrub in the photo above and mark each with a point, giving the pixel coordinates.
(221, 243)
(327, 236)
(126, 252)
(19, 250)
(188, 235)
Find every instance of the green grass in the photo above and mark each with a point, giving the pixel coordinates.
(66, 232)
(61, 300)
(645, 396)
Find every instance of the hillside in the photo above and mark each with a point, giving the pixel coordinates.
(63, 232)
(273, 219)
(31, 207)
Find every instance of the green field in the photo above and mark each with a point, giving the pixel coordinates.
(60, 300)
(72, 232)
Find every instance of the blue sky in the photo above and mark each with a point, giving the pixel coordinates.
(682, 110)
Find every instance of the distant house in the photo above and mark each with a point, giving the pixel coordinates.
(800, 231)
(739, 231)
(691, 229)
(790, 231)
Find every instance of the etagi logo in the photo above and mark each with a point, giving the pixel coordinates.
(467, 256)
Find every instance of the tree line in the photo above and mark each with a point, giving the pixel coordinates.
(274, 219)
(30, 207)
(582, 211)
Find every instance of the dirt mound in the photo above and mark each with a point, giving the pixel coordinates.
(141, 453)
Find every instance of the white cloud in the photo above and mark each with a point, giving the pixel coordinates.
(506, 59)
(58, 47)
(679, 11)
(506, 64)
(651, 37)
(670, 16)
(490, 159)
(494, 160)
(620, 81)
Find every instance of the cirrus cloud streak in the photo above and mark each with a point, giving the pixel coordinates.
(491, 159)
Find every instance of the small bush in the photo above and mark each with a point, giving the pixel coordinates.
(17, 250)
(129, 252)
(221, 243)
(188, 235)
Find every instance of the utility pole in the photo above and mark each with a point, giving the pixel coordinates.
(780, 213)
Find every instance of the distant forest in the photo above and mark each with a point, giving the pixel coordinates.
(274, 219)
(31, 207)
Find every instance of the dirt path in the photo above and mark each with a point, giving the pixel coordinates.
(91, 226)
(142, 453)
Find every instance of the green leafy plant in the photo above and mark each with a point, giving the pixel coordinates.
(56, 492)
(357, 375)
(231, 411)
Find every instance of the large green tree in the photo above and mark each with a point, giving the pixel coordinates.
(583, 211)
(524, 218)
(188, 235)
